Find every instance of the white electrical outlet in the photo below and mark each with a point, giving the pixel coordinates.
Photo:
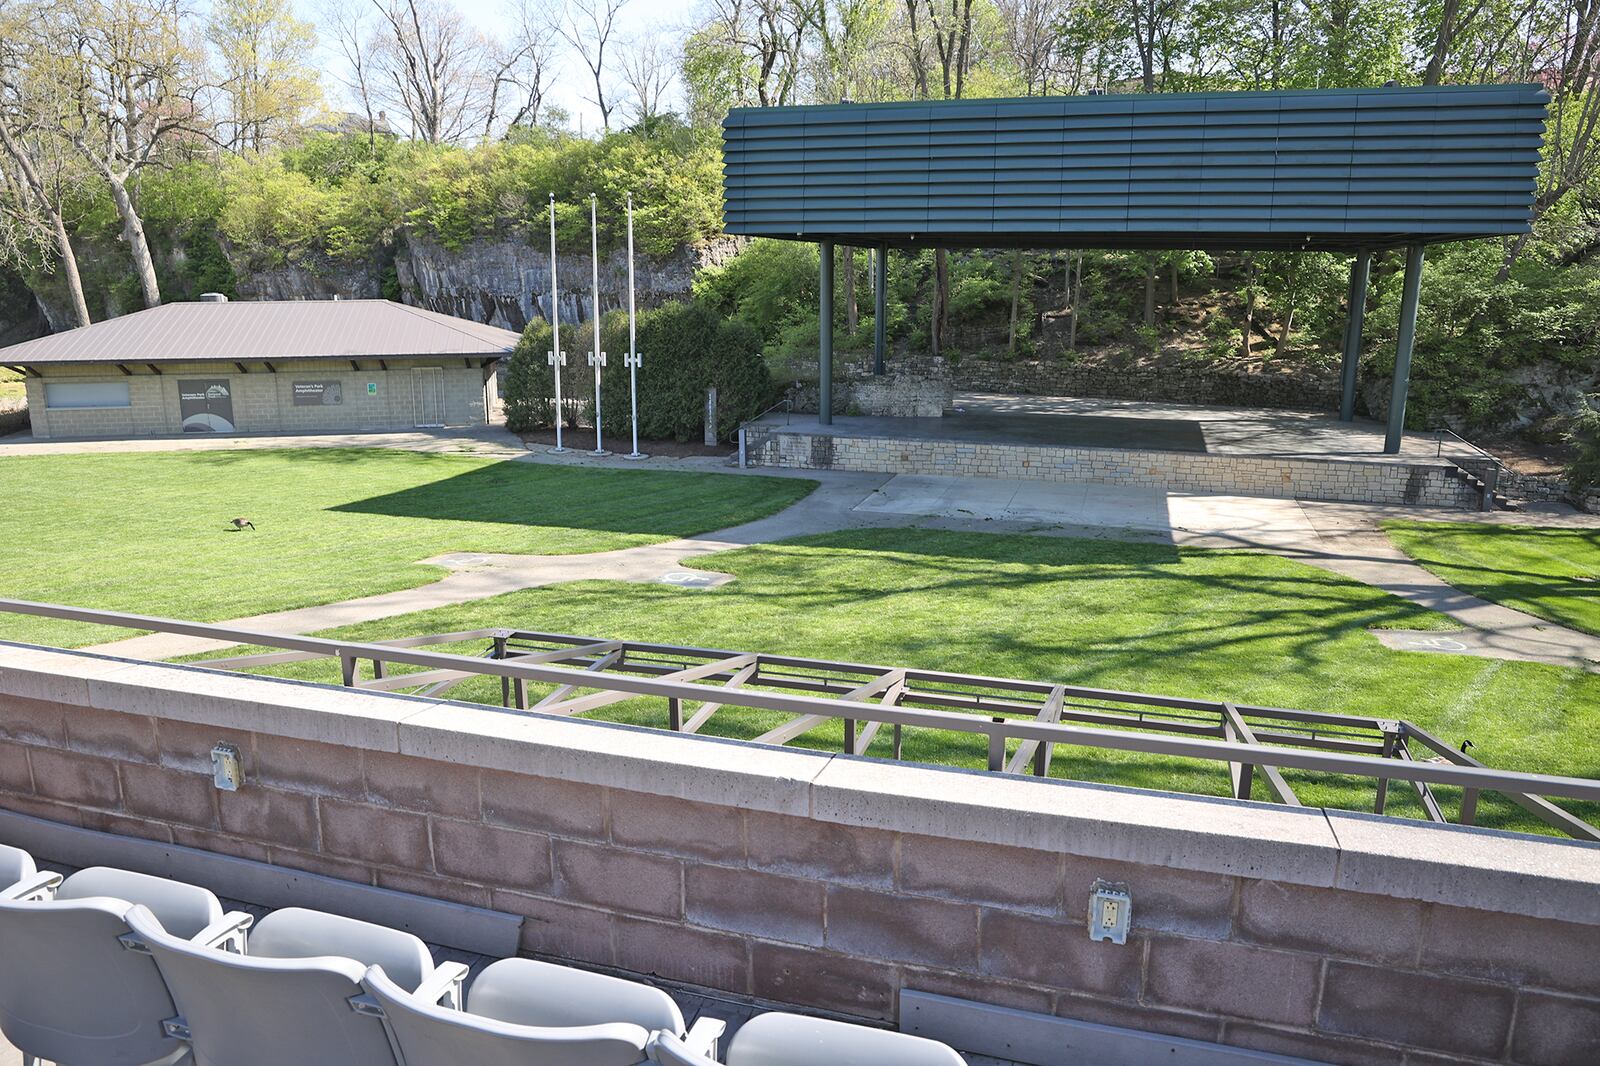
(227, 770)
(1110, 912)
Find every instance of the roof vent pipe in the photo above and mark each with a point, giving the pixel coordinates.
(213, 298)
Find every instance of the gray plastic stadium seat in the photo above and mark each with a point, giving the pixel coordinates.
(86, 995)
(427, 1034)
(793, 1040)
(20, 879)
(296, 997)
(517, 1007)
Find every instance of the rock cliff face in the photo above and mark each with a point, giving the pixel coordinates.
(504, 283)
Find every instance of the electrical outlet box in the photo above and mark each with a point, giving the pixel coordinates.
(1110, 912)
(227, 770)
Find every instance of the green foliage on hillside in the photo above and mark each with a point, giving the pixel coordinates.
(687, 348)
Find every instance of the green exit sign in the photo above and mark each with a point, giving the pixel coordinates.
(372, 388)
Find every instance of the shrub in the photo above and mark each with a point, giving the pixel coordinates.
(687, 348)
(1584, 470)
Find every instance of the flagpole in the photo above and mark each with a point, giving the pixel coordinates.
(556, 357)
(597, 358)
(633, 349)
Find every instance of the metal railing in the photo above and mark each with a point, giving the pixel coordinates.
(1485, 466)
(1021, 724)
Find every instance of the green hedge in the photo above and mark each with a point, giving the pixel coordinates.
(687, 348)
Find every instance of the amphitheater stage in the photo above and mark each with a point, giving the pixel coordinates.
(1236, 451)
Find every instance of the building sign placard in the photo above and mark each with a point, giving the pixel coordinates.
(206, 406)
(318, 393)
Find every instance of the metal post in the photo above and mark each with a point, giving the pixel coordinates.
(880, 308)
(597, 358)
(1360, 268)
(556, 357)
(632, 358)
(825, 342)
(1402, 350)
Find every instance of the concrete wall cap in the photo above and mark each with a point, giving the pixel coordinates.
(1543, 877)
(704, 769)
(1199, 833)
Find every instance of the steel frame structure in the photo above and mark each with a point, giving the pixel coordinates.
(1021, 723)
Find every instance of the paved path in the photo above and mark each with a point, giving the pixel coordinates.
(489, 441)
(1343, 538)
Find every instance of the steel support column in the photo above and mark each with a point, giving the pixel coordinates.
(1402, 350)
(880, 307)
(825, 337)
(1360, 268)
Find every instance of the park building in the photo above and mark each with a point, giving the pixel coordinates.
(305, 366)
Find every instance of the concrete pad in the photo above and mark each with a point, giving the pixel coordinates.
(1200, 520)
(701, 769)
(1540, 877)
(1235, 837)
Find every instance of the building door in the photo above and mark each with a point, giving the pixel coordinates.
(427, 391)
(206, 406)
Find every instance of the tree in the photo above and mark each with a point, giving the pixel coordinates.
(353, 38)
(647, 73)
(34, 170)
(132, 78)
(588, 27)
(263, 55)
(431, 66)
(521, 69)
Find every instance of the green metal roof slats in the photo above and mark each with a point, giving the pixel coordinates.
(1327, 168)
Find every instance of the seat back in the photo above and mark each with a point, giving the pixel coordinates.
(296, 933)
(70, 991)
(526, 992)
(15, 864)
(183, 910)
(429, 1035)
(792, 1040)
(248, 1011)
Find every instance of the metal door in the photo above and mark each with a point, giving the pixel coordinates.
(427, 391)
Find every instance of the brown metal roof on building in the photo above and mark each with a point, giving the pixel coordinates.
(237, 331)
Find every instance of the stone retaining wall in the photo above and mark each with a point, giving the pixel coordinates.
(835, 882)
(1247, 475)
(1168, 384)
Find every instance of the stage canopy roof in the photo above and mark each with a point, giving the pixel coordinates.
(1335, 170)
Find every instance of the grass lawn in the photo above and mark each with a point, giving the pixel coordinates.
(148, 533)
(1550, 573)
(1222, 624)
(11, 386)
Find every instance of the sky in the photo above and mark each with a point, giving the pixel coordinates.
(571, 86)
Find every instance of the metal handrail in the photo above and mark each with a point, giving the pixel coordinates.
(1440, 431)
(718, 682)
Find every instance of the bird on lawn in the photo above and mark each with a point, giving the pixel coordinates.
(243, 523)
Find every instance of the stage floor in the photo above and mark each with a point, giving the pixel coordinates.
(1071, 422)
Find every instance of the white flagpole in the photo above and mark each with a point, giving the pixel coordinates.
(633, 349)
(597, 359)
(556, 358)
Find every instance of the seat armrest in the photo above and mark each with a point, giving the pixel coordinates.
(41, 886)
(703, 1036)
(227, 932)
(445, 986)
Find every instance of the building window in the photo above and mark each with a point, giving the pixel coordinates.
(80, 394)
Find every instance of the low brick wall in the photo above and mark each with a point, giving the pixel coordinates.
(835, 882)
(1287, 478)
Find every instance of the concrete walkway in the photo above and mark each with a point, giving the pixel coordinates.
(1343, 538)
(489, 441)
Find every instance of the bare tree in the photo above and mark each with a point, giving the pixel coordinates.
(34, 172)
(347, 22)
(521, 68)
(589, 27)
(770, 35)
(132, 77)
(431, 65)
(647, 72)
